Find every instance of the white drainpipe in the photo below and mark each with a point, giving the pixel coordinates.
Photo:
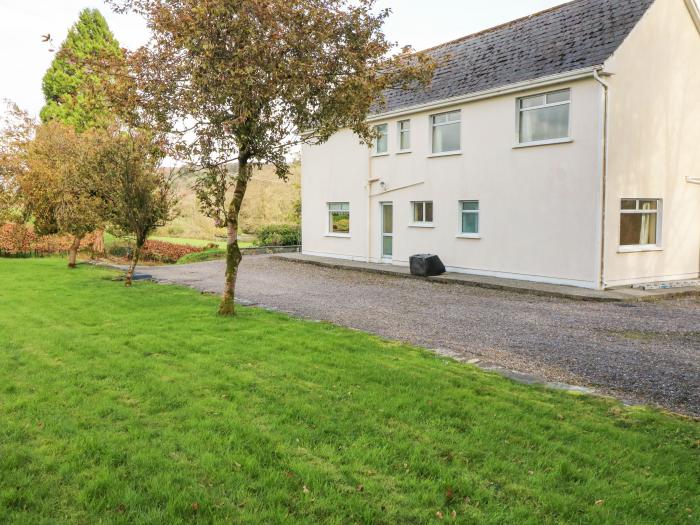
(604, 176)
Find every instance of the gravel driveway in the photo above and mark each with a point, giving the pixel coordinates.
(646, 352)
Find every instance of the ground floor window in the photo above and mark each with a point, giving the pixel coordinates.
(422, 212)
(639, 222)
(469, 211)
(339, 217)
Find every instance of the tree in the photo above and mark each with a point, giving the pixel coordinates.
(75, 88)
(16, 132)
(79, 84)
(249, 79)
(58, 183)
(138, 196)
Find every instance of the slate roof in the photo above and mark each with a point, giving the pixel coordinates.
(575, 35)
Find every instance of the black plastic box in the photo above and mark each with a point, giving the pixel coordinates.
(425, 265)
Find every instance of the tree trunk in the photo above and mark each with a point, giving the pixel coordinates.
(233, 251)
(132, 266)
(98, 245)
(73, 252)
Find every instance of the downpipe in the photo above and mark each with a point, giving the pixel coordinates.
(604, 176)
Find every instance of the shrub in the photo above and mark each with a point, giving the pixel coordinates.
(167, 252)
(19, 239)
(279, 235)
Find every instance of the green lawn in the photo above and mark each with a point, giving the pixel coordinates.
(199, 243)
(142, 406)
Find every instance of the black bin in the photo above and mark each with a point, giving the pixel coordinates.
(425, 265)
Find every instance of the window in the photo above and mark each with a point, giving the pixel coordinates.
(339, 217)
(469, 211)
(446, 132)
(404, 135)
(545, 117)
(381, 142)
(639, 222)
(422, 212)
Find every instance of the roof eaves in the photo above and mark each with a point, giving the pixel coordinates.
(490, 93)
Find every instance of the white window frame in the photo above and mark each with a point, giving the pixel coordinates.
(329, 219)
(626, 248)
(477, 212)
(424, 223)
(375, 146)
(399, 134)
(519, 111)
(432, 127)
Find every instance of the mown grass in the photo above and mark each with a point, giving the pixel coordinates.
(197, 243)
(142, 406)
(210, 254)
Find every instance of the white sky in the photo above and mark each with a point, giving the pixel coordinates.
(24, 58)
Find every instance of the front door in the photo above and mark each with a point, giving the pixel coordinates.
(387, 230)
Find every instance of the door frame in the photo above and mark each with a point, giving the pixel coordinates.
(383, 257)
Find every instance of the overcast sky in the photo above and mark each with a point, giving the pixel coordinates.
(24, 59)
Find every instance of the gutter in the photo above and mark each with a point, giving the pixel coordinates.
(604, 176)
(490, 93)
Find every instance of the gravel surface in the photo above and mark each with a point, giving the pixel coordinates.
(642, 352)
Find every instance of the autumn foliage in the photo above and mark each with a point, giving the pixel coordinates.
(22, 240)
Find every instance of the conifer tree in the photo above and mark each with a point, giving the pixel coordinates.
(75, 86)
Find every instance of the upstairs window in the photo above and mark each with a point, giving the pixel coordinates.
(446, 132)
(639, 222)
(423, 212)
(339, 217)
(469, 211)
(544, 118)
(381, 142)
(404, 135)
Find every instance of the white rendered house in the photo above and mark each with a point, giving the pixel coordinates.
(561, 148)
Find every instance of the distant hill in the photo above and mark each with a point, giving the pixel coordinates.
(268, 200)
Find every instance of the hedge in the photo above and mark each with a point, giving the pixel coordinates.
(279, 235)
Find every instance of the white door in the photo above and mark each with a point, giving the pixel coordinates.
(387, 230)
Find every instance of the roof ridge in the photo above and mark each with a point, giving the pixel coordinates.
(499, 26)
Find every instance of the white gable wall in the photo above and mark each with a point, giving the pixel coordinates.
(654, 142)
(539, 205)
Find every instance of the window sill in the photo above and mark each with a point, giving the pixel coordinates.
(404, 152)
(418, 225)
(339, 235)
(638, 249)
(445, 154)
(468, 236)
(377, 155)
(567, 140)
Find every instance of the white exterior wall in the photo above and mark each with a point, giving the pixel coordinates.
(539, 205)
(654, 142)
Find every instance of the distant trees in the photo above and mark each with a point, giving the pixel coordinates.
(245, 81)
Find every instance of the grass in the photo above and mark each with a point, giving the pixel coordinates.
(198, 243)
(142, 406)
(207, 255)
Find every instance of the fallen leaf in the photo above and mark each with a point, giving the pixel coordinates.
(360, 488)
(449, 495)
(306, 489)
(439, 515)
(599, 502)
(195, 506)
(454, 514)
